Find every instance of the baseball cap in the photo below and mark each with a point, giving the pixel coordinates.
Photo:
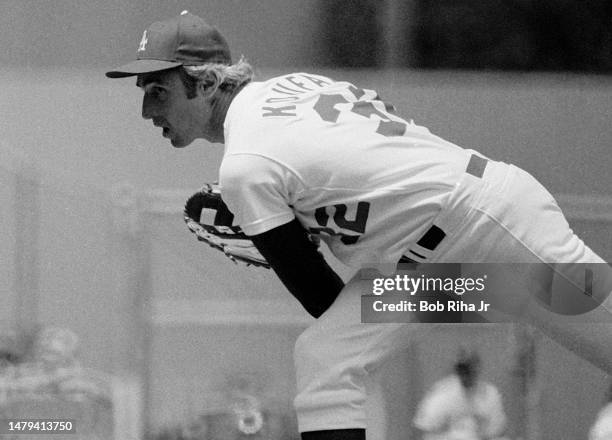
(185, 40)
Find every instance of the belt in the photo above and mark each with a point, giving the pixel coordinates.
(434, 235)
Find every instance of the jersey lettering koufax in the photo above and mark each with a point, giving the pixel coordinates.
(340, 160)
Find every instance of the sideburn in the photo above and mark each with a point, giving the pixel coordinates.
(189, 83)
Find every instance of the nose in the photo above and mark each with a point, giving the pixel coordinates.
(147, 108)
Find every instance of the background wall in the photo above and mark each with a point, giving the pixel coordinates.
(181, 317)
(104, 33)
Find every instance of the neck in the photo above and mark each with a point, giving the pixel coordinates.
(220, 105)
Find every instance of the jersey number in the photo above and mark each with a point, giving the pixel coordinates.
(357, 224)
(326, 109)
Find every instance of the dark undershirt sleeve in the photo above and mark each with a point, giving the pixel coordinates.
(300, 266)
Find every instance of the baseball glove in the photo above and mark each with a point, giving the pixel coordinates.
(220, 232)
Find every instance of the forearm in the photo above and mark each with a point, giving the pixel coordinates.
(300, 266)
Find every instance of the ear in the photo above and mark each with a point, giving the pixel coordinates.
(208, 85)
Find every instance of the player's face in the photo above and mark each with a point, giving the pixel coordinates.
(165, 102)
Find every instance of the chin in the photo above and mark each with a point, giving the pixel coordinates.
(179, 143)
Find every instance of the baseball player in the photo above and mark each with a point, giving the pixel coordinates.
(462, 405)
(309, 156)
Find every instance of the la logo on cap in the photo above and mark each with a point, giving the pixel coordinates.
(143, 42)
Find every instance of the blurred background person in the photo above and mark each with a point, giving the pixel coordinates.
(462, 406)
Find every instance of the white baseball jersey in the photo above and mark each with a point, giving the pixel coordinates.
(338, 158)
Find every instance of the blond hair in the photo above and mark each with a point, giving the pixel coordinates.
(219, 76)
